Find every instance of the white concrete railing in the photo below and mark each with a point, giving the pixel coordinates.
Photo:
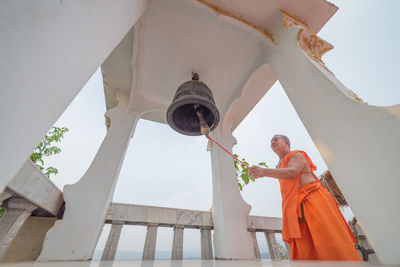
(179, 219)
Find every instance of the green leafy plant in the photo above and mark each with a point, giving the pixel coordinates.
(242, 173)
(1, 212)
(46, 148)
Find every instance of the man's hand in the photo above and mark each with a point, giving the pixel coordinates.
(256, 172)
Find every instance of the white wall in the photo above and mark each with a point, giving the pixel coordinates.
(49, 50)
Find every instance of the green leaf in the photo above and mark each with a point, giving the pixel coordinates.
(240, 186)
(44, 148)
(236, 167)
(1, 212)
(245, 178)
(51, 170)
(243, 172)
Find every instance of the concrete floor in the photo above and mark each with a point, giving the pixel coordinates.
(186, 263)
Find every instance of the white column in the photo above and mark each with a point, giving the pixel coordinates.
(88, 201)
(359, 143)
(273, 247)
(177, 245)
(49, 50)
(149, 250)
(255, 244)
(206, 243)
(112, 241)
(14, 217)
(229, 212)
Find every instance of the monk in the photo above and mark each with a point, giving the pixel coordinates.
(312, 223)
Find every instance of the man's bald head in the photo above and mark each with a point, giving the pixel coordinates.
(283, 137)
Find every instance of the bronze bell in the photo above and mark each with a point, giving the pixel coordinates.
(193, 101)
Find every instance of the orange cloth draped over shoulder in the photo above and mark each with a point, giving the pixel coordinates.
(323, 233)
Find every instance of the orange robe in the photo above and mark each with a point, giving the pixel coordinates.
(312, 223)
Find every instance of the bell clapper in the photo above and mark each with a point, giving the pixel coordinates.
(204, 129)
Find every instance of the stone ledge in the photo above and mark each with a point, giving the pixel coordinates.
(31, 184)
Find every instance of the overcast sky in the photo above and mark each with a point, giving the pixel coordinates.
(365, 59)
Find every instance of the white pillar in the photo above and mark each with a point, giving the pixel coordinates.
(88, 201)
(359, 143)
(112, 241)
(49, 50)
(177, 245)
(14, 217)
(230, 213)
(206, 243)
(273, 247)
(255, 244)
(149, 250)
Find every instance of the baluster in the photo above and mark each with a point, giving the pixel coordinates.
(273, 247)
(255, 244)
(149, 250)
(177, 246)
(112, 241)
(206, 244)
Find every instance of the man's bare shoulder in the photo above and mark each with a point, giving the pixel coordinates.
(298, 156)
(297, 161)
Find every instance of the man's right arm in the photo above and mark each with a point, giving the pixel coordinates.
(295, 166)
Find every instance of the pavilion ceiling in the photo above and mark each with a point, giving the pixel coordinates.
(175, 37)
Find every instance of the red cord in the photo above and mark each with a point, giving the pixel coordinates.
(212, 140)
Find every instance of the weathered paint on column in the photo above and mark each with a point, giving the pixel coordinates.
(112, 241)
(149, 250)
(206, 243)
(14, 217)
(273, 247)
(256, 248)
(177, 245)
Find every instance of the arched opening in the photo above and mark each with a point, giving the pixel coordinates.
(84, 118)
(165, 169)
(273, 114)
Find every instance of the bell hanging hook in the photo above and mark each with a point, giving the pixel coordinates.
(195, 76)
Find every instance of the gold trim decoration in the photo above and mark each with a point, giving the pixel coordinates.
(314, 46)
(289, 21)
(108, 121)
(227, 13)
(356, 97)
